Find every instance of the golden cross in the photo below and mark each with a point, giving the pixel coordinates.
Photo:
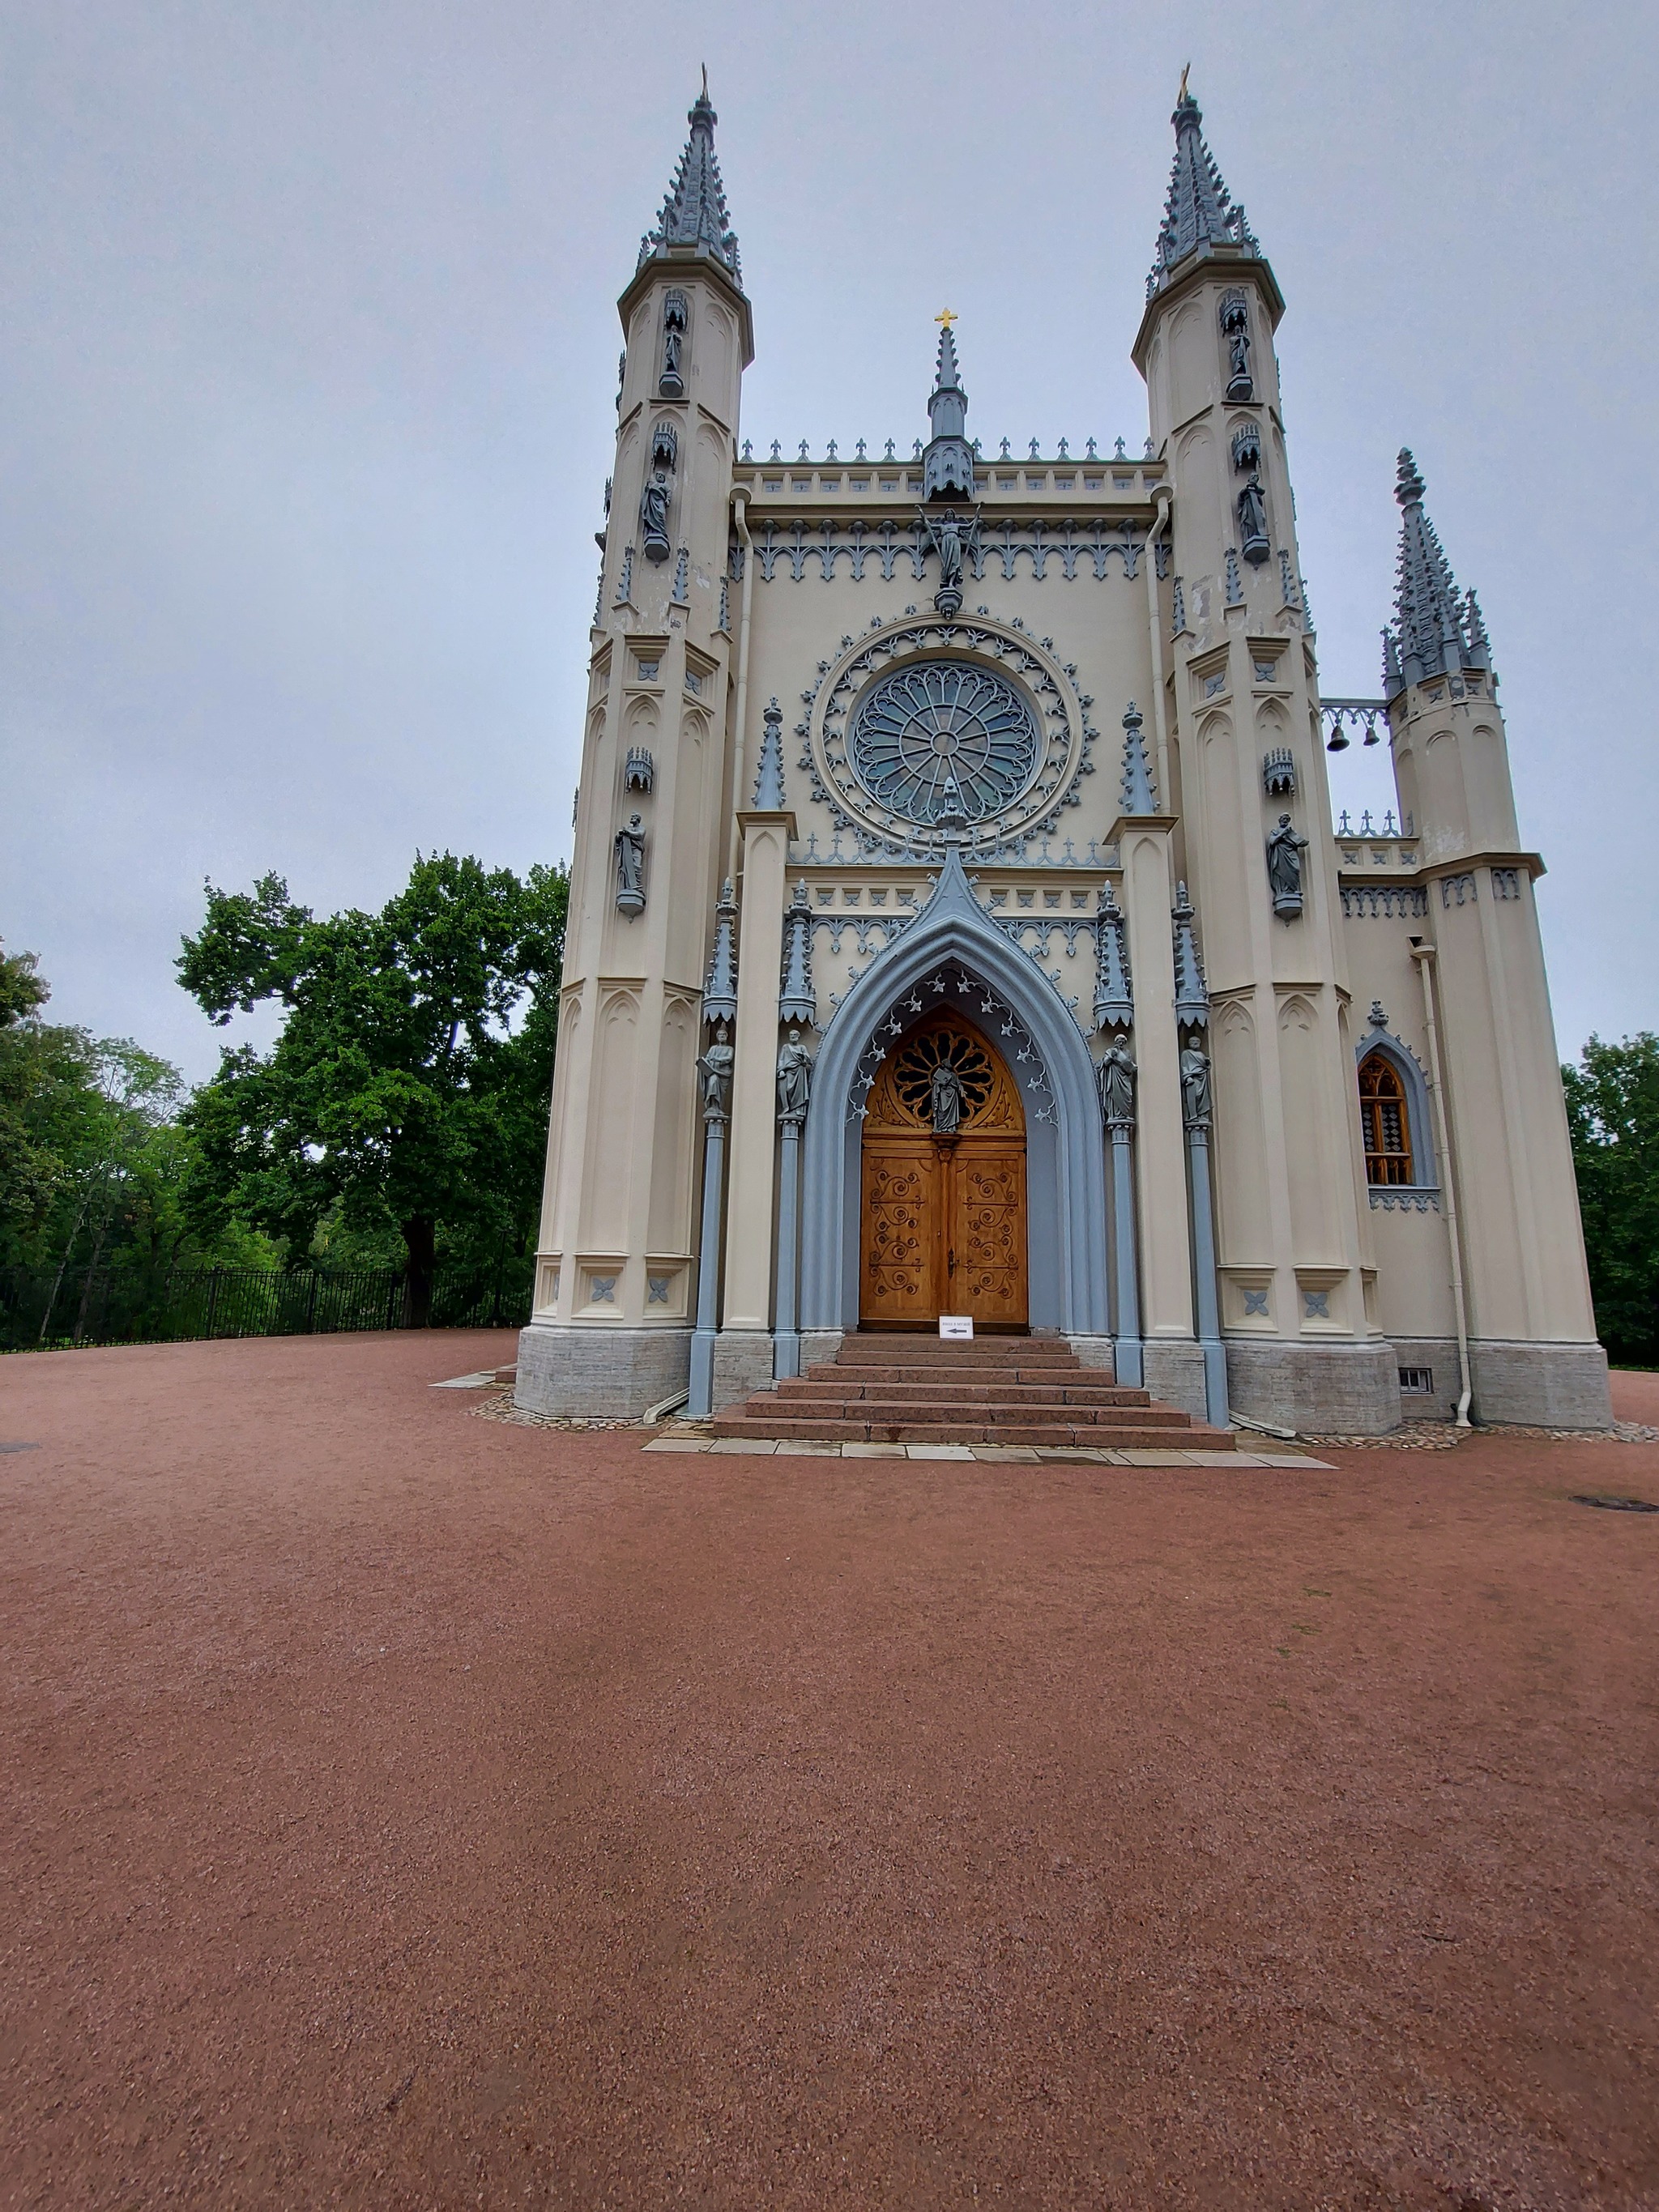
(1185, 74)
(947, 319)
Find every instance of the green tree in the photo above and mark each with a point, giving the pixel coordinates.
(408, 1086)
(1612, 1112)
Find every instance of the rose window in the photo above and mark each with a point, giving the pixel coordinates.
(943, 738)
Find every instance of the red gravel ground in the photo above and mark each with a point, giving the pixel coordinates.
(409, 1809)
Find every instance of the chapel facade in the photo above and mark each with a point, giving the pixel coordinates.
(957, 924)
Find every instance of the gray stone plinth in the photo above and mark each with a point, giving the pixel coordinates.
(819, 1347)
(1549, 1386)
(743, 1364)
(1439, 1356)
(1323, 1389)
(1174, 1373)
(1094, 1351)
(611, 1373)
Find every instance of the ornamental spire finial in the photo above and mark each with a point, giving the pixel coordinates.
(1199, 211)
(1434, 628)
(695, 213)
(948, 463)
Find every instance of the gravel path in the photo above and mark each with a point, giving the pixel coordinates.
(406, 1809)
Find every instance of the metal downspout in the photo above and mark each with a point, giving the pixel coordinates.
(1424, 956)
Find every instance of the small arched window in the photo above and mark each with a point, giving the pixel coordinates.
(1385, 1121)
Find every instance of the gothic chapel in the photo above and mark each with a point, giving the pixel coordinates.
(957, 925)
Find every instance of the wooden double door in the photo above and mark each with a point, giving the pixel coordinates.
(943, 1226)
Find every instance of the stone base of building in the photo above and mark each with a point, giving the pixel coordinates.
(1322, 1389)
(819, 1347)
(1544, 1386)
(1547, 1385)
(1174, 1373)
(609, 1374)
(743, 1364)
(1095, 1351)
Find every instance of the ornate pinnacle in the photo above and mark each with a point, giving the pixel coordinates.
(695, 213)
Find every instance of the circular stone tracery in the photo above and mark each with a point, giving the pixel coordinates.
(943, 738)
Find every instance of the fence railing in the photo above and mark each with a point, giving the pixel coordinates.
(137, 1306)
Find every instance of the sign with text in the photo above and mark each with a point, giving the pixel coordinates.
(956, 1325)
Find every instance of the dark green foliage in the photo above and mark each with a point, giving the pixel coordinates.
(407, 1094)
(1612, 1111)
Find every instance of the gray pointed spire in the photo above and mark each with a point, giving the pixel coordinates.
(798, 1001)
(719, 993)
(1114, 1005)
(947, 463)
(694, 213)
(1191, 1004)
(769, 796)
(1428, 608)
(1139, 794)
(1199, 211)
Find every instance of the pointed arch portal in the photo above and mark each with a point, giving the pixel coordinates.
(954, 955)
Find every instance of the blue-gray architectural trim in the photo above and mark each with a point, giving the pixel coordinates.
(1065, 1174)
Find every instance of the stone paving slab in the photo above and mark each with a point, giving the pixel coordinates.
(1006, 1455)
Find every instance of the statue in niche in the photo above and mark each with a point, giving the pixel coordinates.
(1236, 326)
(1196, 1096)
(1285, 851)
(672, 383)
(630, 866)
(947, 1099)
(1252, 522)
(947, 536)
(715, 1066)
(794, 1079)
(654, 516)
(1116, 1077)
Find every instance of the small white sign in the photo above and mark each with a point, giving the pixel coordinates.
(959, 1325)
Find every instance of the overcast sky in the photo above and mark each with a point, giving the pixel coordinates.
(308, 348)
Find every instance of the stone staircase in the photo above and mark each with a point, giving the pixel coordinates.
(917, 1389)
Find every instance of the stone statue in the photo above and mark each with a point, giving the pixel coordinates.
(794, 1079)
(1116, 1077)
(948, 1098)
(654, 516)
(1236, 324)
(630, 866)
(1285, 851)
(947, 536)
(716, 1066)
(1253, 521)
(672, 383)
(1195, 1097)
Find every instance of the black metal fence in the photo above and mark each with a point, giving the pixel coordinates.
(135, 1306)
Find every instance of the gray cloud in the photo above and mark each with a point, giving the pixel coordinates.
(309, 354)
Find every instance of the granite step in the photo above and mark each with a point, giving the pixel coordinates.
(769, 1408)
(1057, 1433)
(888, 1383)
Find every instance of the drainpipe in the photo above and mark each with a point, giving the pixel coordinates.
(1155, 632)
(1424, 956)
(740, 523)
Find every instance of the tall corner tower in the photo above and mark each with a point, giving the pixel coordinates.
(1514, 1219)
(616, 1265)
(1246, 775)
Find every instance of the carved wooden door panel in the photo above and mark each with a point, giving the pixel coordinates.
(901, 1233)
(943, 1215)
(986, 1259)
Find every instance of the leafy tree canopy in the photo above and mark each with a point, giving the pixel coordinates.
(1612, 1112)
(408, 1086)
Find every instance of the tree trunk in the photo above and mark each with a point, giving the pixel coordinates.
(421, 1236)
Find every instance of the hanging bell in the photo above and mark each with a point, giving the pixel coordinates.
(1371, 737)
(1338, 741)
